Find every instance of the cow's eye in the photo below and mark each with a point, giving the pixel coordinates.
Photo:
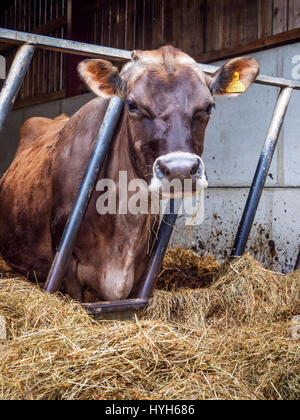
(203, 112)
(132, 106)
(210, 108)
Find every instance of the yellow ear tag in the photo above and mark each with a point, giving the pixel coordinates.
(236, 86)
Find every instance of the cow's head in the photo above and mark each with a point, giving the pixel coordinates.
(169, 100)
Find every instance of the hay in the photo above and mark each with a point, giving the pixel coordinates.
(232, 340)
(242, 291)
(4, 268)
(183, 268)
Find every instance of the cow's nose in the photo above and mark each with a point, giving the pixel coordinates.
(178, 166)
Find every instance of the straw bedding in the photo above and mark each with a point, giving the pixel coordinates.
(233, 339)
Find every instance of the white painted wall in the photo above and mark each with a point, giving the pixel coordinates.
(233, 144)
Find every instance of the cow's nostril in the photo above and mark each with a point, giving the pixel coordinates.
(164, 169)
(161, 170)
(195, 168)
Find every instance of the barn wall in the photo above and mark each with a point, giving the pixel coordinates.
(233, 143)
(196, 26)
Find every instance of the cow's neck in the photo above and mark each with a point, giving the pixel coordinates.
(122, 159)
(132, 235)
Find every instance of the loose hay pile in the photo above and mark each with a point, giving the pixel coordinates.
(232, 340)
(184, 269)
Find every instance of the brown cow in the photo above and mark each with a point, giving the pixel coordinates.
(160, 135)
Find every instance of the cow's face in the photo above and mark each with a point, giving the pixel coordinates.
(169, 101)
(167, 117)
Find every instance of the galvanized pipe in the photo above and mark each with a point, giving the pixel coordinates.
(261, 79)
(61, 260)
(261, 172)
(160, 248)
(63, 45)
(14, 81)
(81, 48)
(101, 308)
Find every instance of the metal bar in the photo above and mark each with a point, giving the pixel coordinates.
(297, 266)
(14, 81)
(261, 172)
(261, 79)
(160, 248)
(70, 234)
(63, 45)
(81, 48)
(116, 306)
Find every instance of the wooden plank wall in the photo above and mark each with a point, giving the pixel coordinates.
(147, 24)
(206, 29)
(45, 79)
(199, 27)
(236, 26)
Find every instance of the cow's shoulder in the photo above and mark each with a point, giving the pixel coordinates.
(36, 127)
(82, 128)
(88, 116)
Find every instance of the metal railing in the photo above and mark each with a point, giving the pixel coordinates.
(29, 42)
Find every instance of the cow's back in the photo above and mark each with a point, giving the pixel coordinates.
(25, 198)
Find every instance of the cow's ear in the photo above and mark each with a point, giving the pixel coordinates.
(101, 77)
(235, 77)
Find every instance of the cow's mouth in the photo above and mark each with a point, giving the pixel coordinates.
(178, 175)
(157, 188)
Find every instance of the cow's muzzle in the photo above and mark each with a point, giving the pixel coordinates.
(178, 166)
(182, 171)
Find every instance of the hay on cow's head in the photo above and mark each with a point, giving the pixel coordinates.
(224, 342)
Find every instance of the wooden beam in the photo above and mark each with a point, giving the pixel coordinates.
(51, 26)
(40, 99)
